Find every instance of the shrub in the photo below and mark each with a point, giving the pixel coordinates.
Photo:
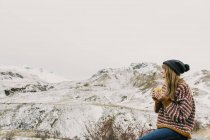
(108, 129)
(197, 125)
(10, 135)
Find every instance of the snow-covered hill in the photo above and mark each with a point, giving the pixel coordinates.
(29, 102)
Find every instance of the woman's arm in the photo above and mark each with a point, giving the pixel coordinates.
(180, 110)
(158, 104)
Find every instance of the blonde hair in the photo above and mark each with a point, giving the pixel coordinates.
(171, 81)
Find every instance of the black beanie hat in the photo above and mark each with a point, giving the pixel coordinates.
(177, 66)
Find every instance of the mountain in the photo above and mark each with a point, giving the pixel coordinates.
(30, 103)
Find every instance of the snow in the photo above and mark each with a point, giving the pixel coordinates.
(68, 106)
(44, 75)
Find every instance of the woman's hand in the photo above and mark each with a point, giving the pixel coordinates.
(158, 96)
(154, 96)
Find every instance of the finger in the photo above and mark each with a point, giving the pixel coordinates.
(155, 99)
(159, 96)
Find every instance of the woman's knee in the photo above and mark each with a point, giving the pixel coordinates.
(142, 138)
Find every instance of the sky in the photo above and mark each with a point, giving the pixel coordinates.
(76, 38)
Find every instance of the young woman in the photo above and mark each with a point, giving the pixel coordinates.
(174, 104)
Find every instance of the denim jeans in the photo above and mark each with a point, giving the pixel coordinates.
(163, 134)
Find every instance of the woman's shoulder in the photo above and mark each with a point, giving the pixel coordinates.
(182, 84)
(183, 87)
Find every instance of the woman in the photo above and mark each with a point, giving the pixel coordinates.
(174, 104)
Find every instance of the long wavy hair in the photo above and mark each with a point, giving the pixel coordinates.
(171, 81)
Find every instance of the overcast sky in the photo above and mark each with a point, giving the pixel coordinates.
(76, 38)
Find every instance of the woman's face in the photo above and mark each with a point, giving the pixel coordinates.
(163, 73)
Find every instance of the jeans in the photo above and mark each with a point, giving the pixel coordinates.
(163, 134)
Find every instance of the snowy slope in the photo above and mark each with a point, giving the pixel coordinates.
(44, 75)
(200, 83)
(25, 79)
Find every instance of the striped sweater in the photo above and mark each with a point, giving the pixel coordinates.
(178, 115)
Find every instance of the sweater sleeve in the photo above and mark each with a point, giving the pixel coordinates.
(158, 105)
(181, 109)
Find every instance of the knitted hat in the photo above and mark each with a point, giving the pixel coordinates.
(177, 66)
